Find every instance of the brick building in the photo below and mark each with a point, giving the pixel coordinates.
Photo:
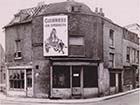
(88, 62)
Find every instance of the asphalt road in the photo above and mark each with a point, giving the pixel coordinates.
(129, 99)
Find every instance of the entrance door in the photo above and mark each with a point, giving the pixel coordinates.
(29, 89)
(120, 83)
(76, 81)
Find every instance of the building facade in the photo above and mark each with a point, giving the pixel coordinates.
(2, 69)
(64, 50)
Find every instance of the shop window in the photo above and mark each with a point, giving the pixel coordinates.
(16, 79)
(61, 77)
(90, 77)
(112, 79)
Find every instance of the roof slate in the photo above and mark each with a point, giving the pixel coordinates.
(26, 15)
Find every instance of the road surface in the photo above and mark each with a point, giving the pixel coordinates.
(128, 99)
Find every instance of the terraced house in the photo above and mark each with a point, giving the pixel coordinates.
(65, 50)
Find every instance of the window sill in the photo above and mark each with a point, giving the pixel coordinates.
(15, 89)
(112, 47)
(18, 58)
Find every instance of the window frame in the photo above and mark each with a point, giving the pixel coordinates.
(111, 38)
(23, 79)
(111, 59)
(95, 73)
(57, 76)
(18, 50)
(83, 46)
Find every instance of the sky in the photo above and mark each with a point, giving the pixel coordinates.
(121, 12)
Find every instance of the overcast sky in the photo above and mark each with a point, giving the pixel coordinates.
(122, 12)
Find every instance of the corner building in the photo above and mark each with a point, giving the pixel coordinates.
(74, 64)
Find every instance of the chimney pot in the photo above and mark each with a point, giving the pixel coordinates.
(96, 10)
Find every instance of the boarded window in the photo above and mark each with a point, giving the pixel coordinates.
(61, 77)
(76, 41)
(112, 79)
(76, 45)
(90, 76)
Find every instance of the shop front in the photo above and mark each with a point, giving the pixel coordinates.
(74, 79)
(20, 81)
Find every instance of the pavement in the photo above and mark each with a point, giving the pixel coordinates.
(64, 101)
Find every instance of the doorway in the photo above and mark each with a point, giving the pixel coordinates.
(29, 89)
(76, 81)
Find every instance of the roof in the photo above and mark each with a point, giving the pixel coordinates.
(26, 15)
(133, 25)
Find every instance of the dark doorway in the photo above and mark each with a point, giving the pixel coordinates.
(120, 82)
(76, 75)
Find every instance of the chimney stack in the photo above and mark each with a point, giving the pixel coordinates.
(96, 10)
(100, 12)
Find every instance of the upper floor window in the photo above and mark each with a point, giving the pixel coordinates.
(111, 37)
(75, 8)
(76, 41)
(137, 57)
(128, 54)
(76, 45)
(111, 60)
(18, 53)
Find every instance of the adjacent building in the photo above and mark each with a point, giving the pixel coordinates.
(136, 29)
(2, 69)
(65, 50)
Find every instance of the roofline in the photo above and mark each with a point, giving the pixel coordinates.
(10, 25)
(105, 18)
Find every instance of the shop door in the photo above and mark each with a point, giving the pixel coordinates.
(76, 81)
(120, 83)
(29, 89)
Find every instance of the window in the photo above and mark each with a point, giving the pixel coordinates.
(75, 8)
(90, 76)
(137, 57)
(16, 79)
(76, 45)
(76, 41)
(133, 55)
(61, 77)
(18, 53)
(128, 54)
(111, 60)
(29, 77)
(111, 37)
(4, 76)
(112, 79)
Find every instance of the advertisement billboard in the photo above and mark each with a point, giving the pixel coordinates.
(55, 35)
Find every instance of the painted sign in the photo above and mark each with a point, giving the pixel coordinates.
(55, 40)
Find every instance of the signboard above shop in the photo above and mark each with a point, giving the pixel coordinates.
(55, 35)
